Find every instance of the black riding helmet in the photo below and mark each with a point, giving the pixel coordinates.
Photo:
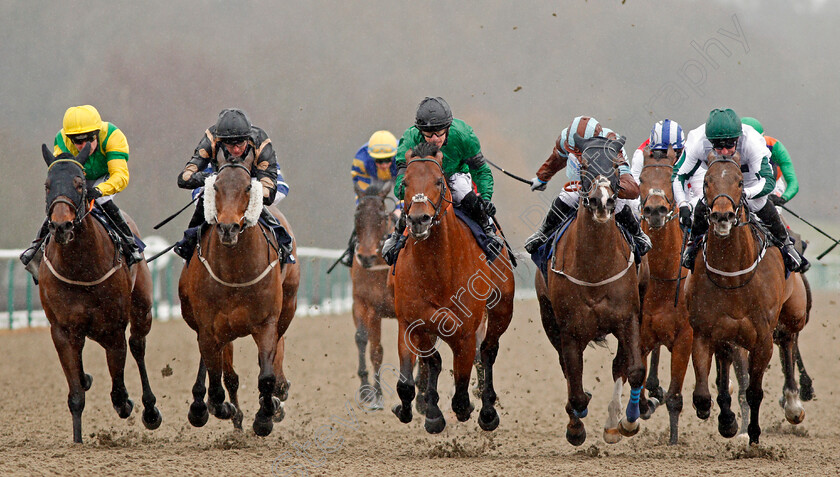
(433, 114)
(232, 124)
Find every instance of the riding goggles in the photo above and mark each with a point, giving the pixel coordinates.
(726, 143)
(83, 138)
(431, 134)
(233, 141)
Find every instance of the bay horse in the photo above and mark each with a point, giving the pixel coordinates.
(738, 296)
(88, 291)
(237, 285)
(592, 289)
(444, 285)
(664, 322)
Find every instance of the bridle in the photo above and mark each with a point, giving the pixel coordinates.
(241, 221)
(383, 214)
(82, 209)
(422, 198)
(736, 222)
(672, 206)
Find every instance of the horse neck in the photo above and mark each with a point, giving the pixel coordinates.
(738, 248)
(596, 247)
(447, 239)
(89, 254)
(251, 249)
(667, 242)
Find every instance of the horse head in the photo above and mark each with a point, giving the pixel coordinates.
(657, 195)
(371, 221)
(599, 176)
(724, 180)
(232, 200)
(66, 192)
(425, 189)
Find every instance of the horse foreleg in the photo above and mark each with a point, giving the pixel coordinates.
(680, 354)
(435, 421)
(464, 356)
(578, 400)
(740, 362)
(480, 333)
(406, 344)
(422, 384)
(198, 413)
(211, 355)
(361, 341)
(231, 381)
(137, 343)
(69, 350)
(806, 384)
(282, 385)
(727, 424)
(759, 358)
(794, 411)
(115, 351)
(701, 358)
(376, 355)
(266, 340)
(654, 390)
(628, 364)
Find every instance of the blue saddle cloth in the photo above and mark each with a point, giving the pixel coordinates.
(100, 216)
(489, 245)
(541, 256)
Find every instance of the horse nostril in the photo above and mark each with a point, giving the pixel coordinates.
(662, 210)
(646, 210)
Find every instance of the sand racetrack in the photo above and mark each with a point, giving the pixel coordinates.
(36, 431)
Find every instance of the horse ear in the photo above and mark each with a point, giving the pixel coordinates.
(439, 156)
(386, 187)
(83, 154)
(48, 156)
(357, 189)
(579, 142)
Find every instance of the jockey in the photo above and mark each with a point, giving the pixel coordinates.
(233, 136)
(565, 154)
(786, 183)
(373, 165)
(664, 134)
(724, 133)
(106, 171)
(463, 164)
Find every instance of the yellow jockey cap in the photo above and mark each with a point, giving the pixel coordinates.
(81, 119)
(382, 145)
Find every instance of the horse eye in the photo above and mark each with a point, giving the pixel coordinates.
(248, 189)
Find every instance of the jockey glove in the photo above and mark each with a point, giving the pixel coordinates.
(93, 193)
(685, 217)
(777, 199)
(489, 208)
(537, 184)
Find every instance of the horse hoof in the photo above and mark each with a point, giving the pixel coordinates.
(404, 417)
(377, 403)
(657, 393)
(576, 437)
(806, 392)
(283, 390)
(87, 382)
(797, 419)
(198, 414)
(488, 419)
(727, 427)
(262, 426)
(653, 403)
(125, 410)
(237, 420)
(628, 429)
(279, 412)
(435, 425)
(611, 436)
(465, 415)
(152, 418)
(224, 412)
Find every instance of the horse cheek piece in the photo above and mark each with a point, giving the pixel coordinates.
(236, 286)
(592, 289)
(82, 280)
(738, 295)
(444, 287)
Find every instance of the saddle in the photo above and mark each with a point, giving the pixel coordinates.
(116, 238)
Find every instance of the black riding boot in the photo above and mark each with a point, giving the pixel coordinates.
(130, 248)
(699, 227)
(474, 207)
(186, 246)
(770, 217)
(395, 242)
(640, 240)
(347, 258)
(284, 239)
(557, 214)
(31, 257)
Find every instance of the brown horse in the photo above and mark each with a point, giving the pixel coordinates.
(87, 291)
(234, 286)
(738, 296)
(444, 285)
(592, 290)
(663, 321)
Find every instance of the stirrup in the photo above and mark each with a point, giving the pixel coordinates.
(689, 255)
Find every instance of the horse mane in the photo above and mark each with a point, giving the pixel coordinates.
(424, 149)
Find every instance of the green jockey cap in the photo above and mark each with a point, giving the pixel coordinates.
(754, 123)
(723, 124)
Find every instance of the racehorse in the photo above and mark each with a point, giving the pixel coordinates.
(237, 285)
(87, 291)
(738, 296)
(444, 285)
(592, 290)
(663, 321)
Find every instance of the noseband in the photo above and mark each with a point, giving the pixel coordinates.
(735, 205)
(672, 206)
(421, 197)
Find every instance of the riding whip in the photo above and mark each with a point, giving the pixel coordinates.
(337, 261)
(520, 179)
(150, 259)
(166, 221)
(836, 242)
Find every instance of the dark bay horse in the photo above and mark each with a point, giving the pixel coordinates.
(593, 290)
(444, 285)
(87, 291)
(236, 285)
(663, 323)
(738, 296)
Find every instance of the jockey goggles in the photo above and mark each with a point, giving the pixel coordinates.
(429, 135)
(725, 143)
(233, 141)
(83, 138)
